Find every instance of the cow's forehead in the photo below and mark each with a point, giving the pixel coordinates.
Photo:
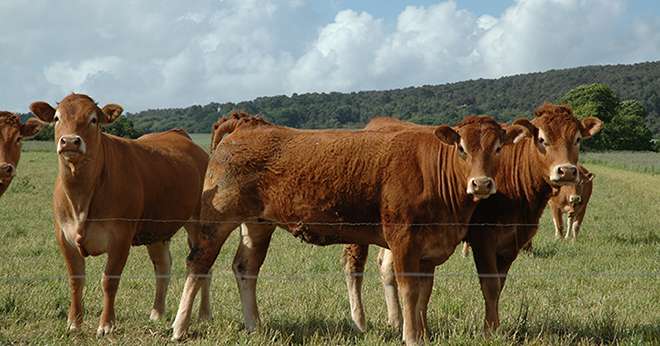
(479, 132)
(557, 126)
(9, 123)
(77, 105)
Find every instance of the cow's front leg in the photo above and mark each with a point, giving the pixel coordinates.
(354, 258)
(75, 265)
(558, 220)
(427, 270)
(114, 266)
(406, 269)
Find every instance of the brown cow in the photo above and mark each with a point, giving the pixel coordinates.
(572, 200)
(107, 190)
(12, 134)
(527, 175)
(406, 191)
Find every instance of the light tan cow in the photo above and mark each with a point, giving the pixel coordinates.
(12, 134)
(111, 193)
(571, 200)
(411, 191)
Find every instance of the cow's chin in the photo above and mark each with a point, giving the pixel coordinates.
(72, 156)
(478, 197)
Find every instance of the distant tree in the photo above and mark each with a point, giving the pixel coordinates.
(592, 100)
(627, 130)
(624, 127)
(123, 127)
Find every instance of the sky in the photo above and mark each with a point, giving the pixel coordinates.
(170, 53)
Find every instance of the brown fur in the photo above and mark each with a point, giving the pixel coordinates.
(12, 133)
(403, 190)
(156, 177)
(524, 188)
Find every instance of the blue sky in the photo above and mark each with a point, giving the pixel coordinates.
(171, 53)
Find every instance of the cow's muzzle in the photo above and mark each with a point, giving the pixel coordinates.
(7, 172)
(564, 174)
(481, 187)
(71, 146)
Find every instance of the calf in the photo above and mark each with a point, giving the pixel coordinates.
(411, 191)
(501, 225)
(111, 193)
(12, 134)
(572, 200)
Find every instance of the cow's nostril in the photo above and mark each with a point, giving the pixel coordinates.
(76, 141)
(474, 183)
(489, 184)
(63, 140)
(7, 169)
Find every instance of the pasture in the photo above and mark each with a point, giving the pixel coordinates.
(603, 289)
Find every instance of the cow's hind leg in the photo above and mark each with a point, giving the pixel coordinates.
(354, 258)
(160, 257)
(388, 279)
(194, 230)
(250, 255)
(205, 247)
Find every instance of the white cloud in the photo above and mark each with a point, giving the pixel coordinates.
(156, 53)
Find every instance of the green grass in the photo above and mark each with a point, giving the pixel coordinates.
(603, 289)
(638, 161)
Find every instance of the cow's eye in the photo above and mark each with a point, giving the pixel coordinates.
(94, 121)
(577, 140)
(498, 150)
(19, 140)
(56, 119)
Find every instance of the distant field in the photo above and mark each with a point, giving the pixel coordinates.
(602, 289)
(644, 162)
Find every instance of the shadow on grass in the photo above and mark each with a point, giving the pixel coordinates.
(549, 250)
(302, 331)
(632, 239)
(601, 329)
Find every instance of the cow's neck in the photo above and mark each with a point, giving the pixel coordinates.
(452, 185)
(520, 175)
(79, 181)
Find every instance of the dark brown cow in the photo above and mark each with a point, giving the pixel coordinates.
(105, 183)
(406, 191)
(12, 134)
(527, 175)
(571, 200)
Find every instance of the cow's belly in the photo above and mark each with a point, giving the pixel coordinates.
(337, 234)
(439, 246)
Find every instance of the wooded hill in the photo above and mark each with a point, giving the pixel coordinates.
(504, 98)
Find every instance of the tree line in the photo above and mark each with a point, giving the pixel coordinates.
(624, 96)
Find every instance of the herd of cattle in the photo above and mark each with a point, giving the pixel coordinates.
(415, 191)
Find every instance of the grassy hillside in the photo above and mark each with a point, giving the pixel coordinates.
(505, 98)
(602, 289)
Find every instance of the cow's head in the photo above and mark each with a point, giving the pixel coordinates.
(575, 193)
(12, 133)
(78, 121)
(478, 141)
(557, 136)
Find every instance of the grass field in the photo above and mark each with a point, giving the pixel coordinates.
(603, 289)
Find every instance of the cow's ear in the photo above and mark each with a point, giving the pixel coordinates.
(43, 111)
(515, 133)
(111, 112)
(589, 177)
(590, 127)
(524, 122)
(31, 127)
(447, 135)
